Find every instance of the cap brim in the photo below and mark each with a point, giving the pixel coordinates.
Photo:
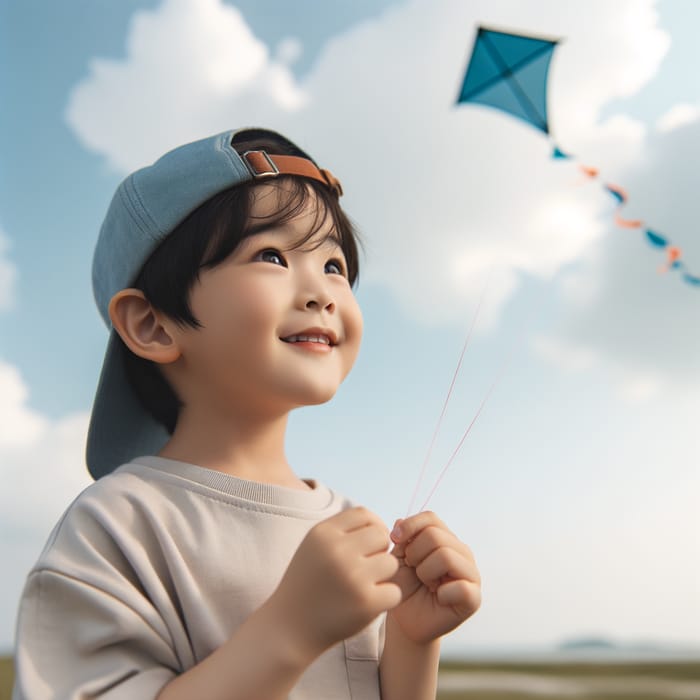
(120, 428)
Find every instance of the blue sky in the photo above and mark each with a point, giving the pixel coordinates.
(577, 487)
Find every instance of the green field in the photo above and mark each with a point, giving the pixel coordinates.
(582, 680)
(525, 681)
(5, 677)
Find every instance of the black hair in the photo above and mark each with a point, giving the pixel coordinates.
(205, 238)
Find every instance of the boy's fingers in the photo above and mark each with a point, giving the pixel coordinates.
(407, 528)
(460, 594)
(354, 518)
(383, 567)
(430, 539)
(368, 539)
(399, 551)
(390, 593)
(446, 562)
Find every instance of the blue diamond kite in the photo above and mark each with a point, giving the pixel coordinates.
(509, 72)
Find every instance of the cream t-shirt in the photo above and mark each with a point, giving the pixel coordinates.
(152, 568)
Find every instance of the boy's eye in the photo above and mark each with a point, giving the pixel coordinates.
(335, 267)
(272, 256)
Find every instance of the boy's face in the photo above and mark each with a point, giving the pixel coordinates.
(280, 326)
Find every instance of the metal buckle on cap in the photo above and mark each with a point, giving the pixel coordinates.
(252, 168)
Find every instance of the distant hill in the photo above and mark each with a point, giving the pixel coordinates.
(587, 643)
(604, 647)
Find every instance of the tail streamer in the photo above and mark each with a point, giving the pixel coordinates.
(674, 255)
(620, 196)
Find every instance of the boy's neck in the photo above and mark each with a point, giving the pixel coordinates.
(245, 447)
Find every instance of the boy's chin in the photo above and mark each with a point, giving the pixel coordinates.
(310, 393)
(315, 396)
(318, 398)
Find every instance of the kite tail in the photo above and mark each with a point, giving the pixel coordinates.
(620, 196)
(673, 259)
(673, 253)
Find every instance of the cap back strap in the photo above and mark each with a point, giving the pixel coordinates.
(262, 164)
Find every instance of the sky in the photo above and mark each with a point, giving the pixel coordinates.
(577, 486)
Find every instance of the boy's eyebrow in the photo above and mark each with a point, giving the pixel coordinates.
(334, 238)
(262, 227)
(331, 237)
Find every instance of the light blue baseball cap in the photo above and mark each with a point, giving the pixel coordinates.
(147, 206)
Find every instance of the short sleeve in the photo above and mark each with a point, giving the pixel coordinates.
(75, 640)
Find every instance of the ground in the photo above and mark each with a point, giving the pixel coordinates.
(525, 681)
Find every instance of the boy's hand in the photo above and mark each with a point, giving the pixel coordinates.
(438, 577)
(338, 581)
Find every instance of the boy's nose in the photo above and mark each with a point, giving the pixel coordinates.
(314, 292)
(320, 302)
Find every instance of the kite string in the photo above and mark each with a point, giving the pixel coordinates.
(504, 366)
(467, 431)
(449, 394)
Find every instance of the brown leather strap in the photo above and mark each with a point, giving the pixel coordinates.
(263, 164)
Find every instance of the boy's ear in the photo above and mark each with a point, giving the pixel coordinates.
(145, 331)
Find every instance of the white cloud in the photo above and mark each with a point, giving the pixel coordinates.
(42, 468)
(19, 425)
(188, 65)
(640, 388)
(289, 50)
(631, 385)
(679, 115)
(8, 276)
(442, 193)
(41, 460)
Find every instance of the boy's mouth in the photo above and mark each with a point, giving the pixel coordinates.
(313, 335)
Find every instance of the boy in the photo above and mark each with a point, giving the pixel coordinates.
(208, 569)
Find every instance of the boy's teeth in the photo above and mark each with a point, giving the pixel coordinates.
(308, 338)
